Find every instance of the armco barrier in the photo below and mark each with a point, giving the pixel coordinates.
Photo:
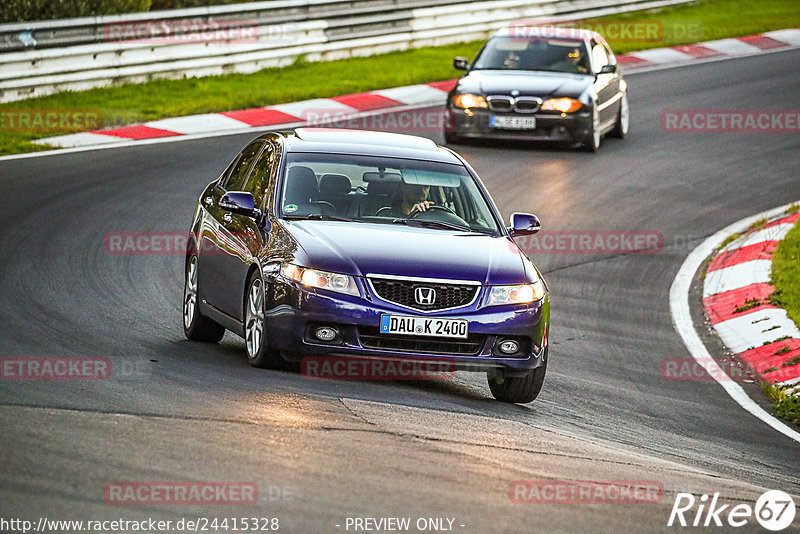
(41, 58)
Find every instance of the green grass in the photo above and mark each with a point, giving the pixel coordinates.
(134, 103)
(749, 304)
(785, 406)
(786, 274)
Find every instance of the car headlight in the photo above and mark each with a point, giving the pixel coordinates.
(469, 101)
(520, 294)
(564, 105)
(340, 283)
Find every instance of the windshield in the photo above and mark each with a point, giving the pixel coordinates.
(384, 190)
(536, 53)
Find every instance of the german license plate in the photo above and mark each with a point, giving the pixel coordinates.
(513, 123)
(423, 326)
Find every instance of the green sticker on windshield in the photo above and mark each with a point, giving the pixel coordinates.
(289, 208)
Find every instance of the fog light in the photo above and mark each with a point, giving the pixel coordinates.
(326, 333)
(509, 346)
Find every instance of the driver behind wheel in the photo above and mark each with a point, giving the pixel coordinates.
(410, 198)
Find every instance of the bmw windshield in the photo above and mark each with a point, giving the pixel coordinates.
(385, 190)
(533, 54)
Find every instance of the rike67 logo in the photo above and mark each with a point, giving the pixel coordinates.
(774, 510)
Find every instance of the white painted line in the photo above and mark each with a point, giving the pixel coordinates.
(756, 329)
(791, 36)
(662, 55)
(79, 140)
(316, 110)
(414, 94)
(772, 233)
(732, 47)
(682, 320)
(190, 124)
(737, 276)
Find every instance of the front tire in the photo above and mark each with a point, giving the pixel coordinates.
(197, 327)
(623, 119)
(259, 353)
(518, 389)
(591, 143)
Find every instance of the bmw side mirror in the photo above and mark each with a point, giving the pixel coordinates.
(460, 63)
(608, 69)
(240, 202)
(524, 224)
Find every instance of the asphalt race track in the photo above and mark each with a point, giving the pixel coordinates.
(322, 451)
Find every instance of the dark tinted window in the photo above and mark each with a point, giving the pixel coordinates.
(235, 181)
(258, 182)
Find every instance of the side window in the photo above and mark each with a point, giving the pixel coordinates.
(599, 57)
(236, 179)
(259, 178)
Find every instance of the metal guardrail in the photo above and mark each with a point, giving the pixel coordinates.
(77, 54)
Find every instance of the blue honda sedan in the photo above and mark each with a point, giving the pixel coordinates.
(356, 244)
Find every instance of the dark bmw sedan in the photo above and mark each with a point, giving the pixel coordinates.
(540, 84)
(353, 244)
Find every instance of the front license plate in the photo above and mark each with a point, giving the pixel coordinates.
(513, 123)
(423, 326)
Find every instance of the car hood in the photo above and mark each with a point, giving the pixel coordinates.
(499, 82)
(365, 248)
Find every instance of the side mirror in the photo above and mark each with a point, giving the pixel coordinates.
(524, 224)
(608, 69)
(461, 63)
(240, 202)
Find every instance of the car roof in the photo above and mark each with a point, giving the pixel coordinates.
(367, 143)
(550, 32)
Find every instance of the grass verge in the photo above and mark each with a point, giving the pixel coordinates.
(786, 406)
(134, 103)
(786, 274)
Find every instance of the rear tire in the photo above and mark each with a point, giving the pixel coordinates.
(197, 327)
(518, 389)
(623, 119)
(259, 353)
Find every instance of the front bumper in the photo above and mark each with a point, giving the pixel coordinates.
(296, 311)
(474, 124)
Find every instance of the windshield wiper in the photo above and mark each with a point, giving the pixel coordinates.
(429, 222)
(318, 217)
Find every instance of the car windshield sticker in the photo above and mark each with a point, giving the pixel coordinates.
(289, 208)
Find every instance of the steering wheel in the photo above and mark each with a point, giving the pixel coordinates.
(434, 207)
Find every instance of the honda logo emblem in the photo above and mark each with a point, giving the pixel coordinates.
(425, 296)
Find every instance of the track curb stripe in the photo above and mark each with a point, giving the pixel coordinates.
(684, 325)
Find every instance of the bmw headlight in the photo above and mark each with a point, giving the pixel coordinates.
(469, 101)
(340, 283)
(564, 105)
(519, 294)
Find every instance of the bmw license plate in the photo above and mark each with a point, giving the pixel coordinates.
(513, 123)
(423, 326)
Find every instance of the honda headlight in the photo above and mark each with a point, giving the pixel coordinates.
(519, 294)
(340, 283)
